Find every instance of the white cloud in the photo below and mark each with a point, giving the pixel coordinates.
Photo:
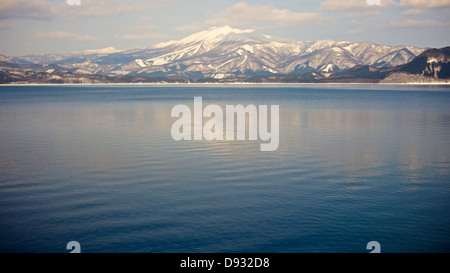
(352, 5)
(65, 36)
(354, 8)
(416, 24)
(105, 8)
(144, 36)
(415, 7)
(32, 9)
(142, 28)
(4, 26)
(349, 5)
(145, 19)
(424, 3)
(191, 27)
(142, 31)
(44, 9)
(354, 31)
(413, 12)
(243, 13)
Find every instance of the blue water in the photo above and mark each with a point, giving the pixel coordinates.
(98, 165)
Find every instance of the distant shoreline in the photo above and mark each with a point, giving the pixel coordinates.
(221, 84)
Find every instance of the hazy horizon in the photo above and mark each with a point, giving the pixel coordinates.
(54, 26)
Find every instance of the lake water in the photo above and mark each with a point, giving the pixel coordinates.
(98, 165)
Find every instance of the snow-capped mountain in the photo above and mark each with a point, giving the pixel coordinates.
(66, 58)
(431, 64)
(221, 52)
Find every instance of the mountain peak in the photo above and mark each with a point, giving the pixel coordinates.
(225, 30)
(106, 50)
(211, 35)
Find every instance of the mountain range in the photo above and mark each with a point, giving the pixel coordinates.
(230, 54)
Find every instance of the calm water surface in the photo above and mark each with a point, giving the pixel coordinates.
(98, 165)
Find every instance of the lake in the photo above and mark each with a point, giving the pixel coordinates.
(98, 165)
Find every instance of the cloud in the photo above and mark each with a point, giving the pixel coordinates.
(354, 31)
(243, 13)
(361, 8)
(144, 36)
(45, 10)
(352, 5)
(32, 9)
(105, 8)
(424, 3)
(413, 12)
(415, 7)
(142, 28)
(4, 26)
(142, 31)
(354, 8)
(191, 27)
(65, 36)
(349, 5)
(416, 24)
(145, 19)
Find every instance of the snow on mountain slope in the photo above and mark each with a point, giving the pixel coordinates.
(225, 51)
(212, 35)
(106, 50)
(57, 57)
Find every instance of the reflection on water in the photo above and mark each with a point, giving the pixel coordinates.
(98, 165)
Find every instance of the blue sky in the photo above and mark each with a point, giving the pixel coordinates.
(48, 26)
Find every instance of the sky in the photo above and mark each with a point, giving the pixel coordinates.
(54, 26)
